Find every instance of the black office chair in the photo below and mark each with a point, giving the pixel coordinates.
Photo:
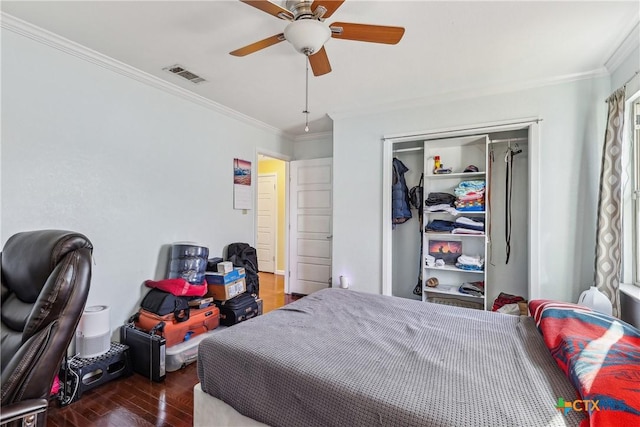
(45, 283)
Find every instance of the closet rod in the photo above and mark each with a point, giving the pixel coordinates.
(493, 141)
(404, 150)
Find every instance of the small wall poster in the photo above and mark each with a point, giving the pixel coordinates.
(449, 251)
(241, 184)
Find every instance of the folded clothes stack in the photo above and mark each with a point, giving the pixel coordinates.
(440, 226)
(470, 262)
(464, 225)
(439, 199)
(441, 208)
(470, 196)
(472, 288)
(432, 261)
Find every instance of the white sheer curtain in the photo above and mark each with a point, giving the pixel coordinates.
(609, 231)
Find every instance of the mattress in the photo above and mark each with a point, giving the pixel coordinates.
(339, 357)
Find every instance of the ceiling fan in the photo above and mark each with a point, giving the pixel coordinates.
(308, 32)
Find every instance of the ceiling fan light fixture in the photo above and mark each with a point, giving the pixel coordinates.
(307, 35)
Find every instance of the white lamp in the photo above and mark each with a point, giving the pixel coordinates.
(344, 282)
(596, 300)
(307, 35)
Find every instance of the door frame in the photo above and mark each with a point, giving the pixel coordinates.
(274, 217)
(286, 159)
(532, 124)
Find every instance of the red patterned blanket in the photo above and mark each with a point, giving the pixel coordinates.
(600, 355)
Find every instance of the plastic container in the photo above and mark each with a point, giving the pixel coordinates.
(180, 355)
(188, 262)
(185, 250)
(192, 276)
(596, 300)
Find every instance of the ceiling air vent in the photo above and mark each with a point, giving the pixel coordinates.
(179, 70)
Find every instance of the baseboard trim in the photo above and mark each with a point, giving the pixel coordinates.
(279, 272)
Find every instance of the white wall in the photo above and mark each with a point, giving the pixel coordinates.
(571, 135)
(313, 146)
(131, 166)
(626, 69)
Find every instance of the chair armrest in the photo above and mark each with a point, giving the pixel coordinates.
(34, 408)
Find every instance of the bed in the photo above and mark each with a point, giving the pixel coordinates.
(344, 358)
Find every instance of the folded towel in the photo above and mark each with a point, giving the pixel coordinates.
(471, 260)
(470, 221)
(442, 208)
(467, 231)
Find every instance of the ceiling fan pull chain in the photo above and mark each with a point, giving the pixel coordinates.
(306, 93)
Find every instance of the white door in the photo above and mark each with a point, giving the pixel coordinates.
(267, 214)
(311, 224)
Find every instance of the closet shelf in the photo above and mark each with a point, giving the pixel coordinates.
(451, 290)
(457, 153)
(432, 234)
(457, 212)
(454, 268)
(456, 175)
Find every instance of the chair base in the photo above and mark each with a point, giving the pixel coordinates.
(27, 413)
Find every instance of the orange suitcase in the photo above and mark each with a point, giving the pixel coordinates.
(174, 332)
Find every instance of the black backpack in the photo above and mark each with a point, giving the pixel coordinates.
(163, 303)
(243, 255)
(416, 194)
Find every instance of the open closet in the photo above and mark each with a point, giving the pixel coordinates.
(407, 237)
(479, 236)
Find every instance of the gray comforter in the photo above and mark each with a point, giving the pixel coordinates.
(345, 358)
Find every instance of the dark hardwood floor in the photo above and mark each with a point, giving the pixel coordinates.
(137, 401)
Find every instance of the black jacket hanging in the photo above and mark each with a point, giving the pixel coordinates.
(400, 211)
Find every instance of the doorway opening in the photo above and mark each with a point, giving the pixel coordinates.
(271, 229)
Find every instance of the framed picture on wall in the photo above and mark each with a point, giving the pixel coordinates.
(447, 250)
(242, 198)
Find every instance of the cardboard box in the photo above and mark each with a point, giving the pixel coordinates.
(227, 291)
(225, 267)
(214, 278)
(201, 302)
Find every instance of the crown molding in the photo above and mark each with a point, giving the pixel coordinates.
(314, 136)
(461, 95)
(38, 34)
(624, 49)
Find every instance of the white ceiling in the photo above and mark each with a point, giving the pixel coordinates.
(449, 48)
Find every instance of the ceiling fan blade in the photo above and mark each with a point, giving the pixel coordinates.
(330, 5)
(320, 62)
(254, 47)
(270, 8)
(366, 33)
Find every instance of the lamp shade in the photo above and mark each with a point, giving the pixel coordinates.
(307, 35)
(596, 300)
